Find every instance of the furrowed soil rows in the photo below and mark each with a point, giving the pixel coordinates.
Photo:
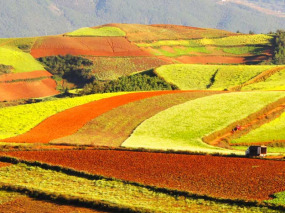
(69, 121)
(95, 46)
(24, 75)
(225, 177)
(27, 89)
(115, 126)
(26, 204)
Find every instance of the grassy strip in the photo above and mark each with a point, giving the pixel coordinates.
(100, 181)
(98, 32)
(259, 78)
(256, 50)
(19, 119)
(7, 196)
(273, 131)
(182, 127)
(273, 82)
(247, 120)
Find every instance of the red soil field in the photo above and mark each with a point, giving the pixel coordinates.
(95, 46)
(69, 121)
(4, 164)
(27, 89)
(210, 60)
(225, 177)
(26, 204)
(24, 75)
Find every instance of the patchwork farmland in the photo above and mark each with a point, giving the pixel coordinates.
(141, 118)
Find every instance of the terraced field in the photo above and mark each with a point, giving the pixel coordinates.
(191, 121)
(20, 119)
(116, 195)
(115, 126)
(69, 121)
(94, 46)
(271, 132)
(216, 77)
(197, 174)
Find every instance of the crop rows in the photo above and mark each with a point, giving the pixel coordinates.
(191, 121)
(114, 127)
(69, 121)
(19, 119)
(193, 173)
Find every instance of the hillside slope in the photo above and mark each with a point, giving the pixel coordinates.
(60, 16)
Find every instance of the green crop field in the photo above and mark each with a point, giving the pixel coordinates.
(112, 193)
(279, 199)
(20, 119)
(21, 61)
(114, 127)
(269, 132)
(216, 77)
(182, 127)
(255, 50)
(258, 39)
(274, 82)
(97, 32)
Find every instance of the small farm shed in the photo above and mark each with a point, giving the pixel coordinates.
(256, 151)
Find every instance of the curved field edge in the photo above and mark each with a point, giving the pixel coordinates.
(115, 126)
(107, 194)
(69, 121)
(231, 187)
(17, 120)
(19, 60)
(97, 32)
(216, 77)
(273, 131)
(182, 127)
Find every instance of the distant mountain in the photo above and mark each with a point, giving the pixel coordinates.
(45, 17)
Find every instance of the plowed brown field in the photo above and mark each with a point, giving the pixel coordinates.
(26, 204)
(27, 89)
(95, 46)
(69, 121)
(24, 75)
(225, 177)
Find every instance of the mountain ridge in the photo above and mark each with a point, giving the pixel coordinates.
(17, 19)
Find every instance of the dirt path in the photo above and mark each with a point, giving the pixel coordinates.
(257, 121)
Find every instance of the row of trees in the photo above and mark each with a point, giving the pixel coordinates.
(74, 69)
(279, 47)
(128, 83)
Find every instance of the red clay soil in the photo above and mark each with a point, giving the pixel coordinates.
(69, 121)
(26, 204)
(27, 89)
(210, 60)
(24, 75)
(226, 177)
(4, 164)
(95, 46)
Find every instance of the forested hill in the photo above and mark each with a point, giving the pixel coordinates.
(45, 17)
